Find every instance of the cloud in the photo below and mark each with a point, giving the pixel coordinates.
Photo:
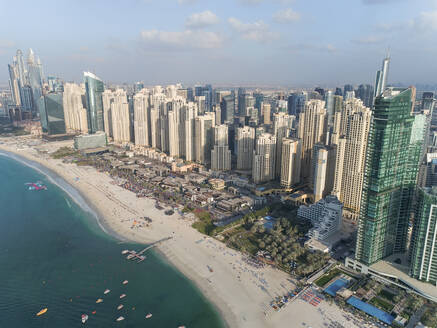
(371, 39)
(286, 16)
(426, 21)
(201, 20)
(257, 31)
(257, 2)
(188, 39)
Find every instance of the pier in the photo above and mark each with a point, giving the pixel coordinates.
(133, 255)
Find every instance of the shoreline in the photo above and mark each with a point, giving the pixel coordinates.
(239, 292)
(86, 205)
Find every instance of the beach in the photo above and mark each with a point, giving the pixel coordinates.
(241, 292)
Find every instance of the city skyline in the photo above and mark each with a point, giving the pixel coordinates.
(239, 42)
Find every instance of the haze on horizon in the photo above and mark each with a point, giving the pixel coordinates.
(263, 42)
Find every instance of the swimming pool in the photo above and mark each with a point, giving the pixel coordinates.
(370, 309)
(334, 287)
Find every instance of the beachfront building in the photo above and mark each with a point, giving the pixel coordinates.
(93, 90)
(120, 117)
(392, 160)
(325, 216)
(52, 113)
(74, 111)
(142, 118)
(204, 134)
(90, 141)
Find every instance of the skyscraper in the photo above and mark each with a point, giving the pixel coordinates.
(381, 77)
(120, 117)
(220, 154)
(365, 93)
(93, 90)
(323, 170)
(351, 155)
(34, 78)
(142, 118)
(266, 113)
(291, 161)
(311, 131)
(387, 189)
(52, 113)
(227, 107)
(264, 155)
(423, 248)
(204, 134)
(282, 124)
(245, 147)
(74, 110)
(296, 103)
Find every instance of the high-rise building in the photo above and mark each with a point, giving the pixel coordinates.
(329, 105)
(311, 131)
(423, 248)
(245, 147)
(241, 97)
(52, 113)
(381, 77)
(93, 90)
(296, 103)
(351, 155)
(347, 89)
(227, 107)
(266, 113)
(291, 161)
(392, 160)
(142, 118)
(220, 154)
(120, 117)
(282, 124)
(34, 78)
(204, 134)
(74, 110)
(189, 116)
(264, 155)
(323, 170)
(365, 93)
(138, 86)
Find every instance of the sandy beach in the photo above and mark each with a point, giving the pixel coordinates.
(240, 292)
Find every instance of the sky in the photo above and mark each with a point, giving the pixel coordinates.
(250, 42)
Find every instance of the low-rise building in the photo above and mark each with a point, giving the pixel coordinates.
(87, 141)
(325, 216)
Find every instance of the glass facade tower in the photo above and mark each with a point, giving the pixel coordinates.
(423, 249)
(394, 146)
(93, 90)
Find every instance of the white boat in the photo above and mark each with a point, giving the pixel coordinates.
(84, 318)
(106, 291)
(149, 315)
(120, 307)
(125, 252)
(122, 295)
(125, 282)
(120, 319)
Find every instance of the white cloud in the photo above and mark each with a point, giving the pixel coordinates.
(200, 20)
(426, 20)
(187, 39)
(257, 31)
(286, 16)
(330, 48)
(257, 2)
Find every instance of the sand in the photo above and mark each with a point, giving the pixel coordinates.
(240, 292)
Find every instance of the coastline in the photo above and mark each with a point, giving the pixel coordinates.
(240, 293)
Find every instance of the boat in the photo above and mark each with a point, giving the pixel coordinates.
(210, 269)
(120, 319)
(149, 315)
(124, 252)
(42, 312)
(125, 282)
(99, 300)
(181, 327)
(130, 256)
(106, 291)
(84, 318)
(120, 307)
(122, 295)
(36, 186)
(94, 312)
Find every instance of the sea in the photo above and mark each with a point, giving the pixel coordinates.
(55, 254)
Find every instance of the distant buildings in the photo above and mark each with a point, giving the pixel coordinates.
(245, 147)
(220, 154)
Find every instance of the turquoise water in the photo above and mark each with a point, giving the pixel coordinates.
(54, 255)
